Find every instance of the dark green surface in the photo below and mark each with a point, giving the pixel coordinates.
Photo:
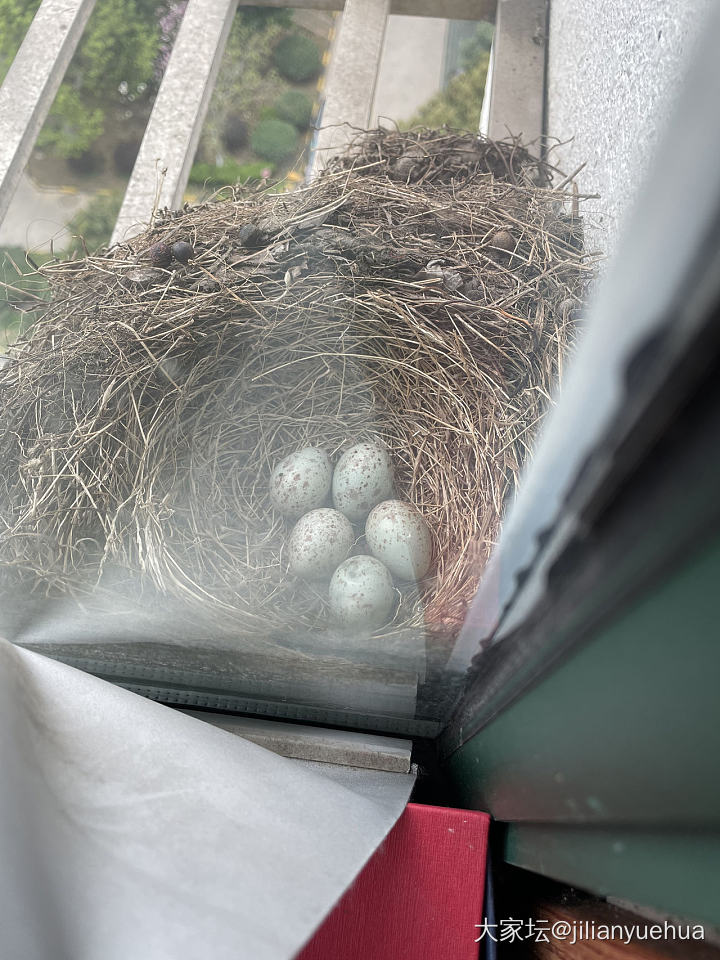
(624, 732)
(675, 872)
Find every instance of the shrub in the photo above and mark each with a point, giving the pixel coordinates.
(266, 113)
(227, 174)
(295, 107)
(235, 132)
(458, 104)
(274, 140)
(124, 156)
(474, 44)
(87, 162)
(297, 58)
(94, 223)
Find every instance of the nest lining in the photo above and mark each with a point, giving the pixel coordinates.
(421, 291)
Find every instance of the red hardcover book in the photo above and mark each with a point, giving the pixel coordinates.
(418, 898)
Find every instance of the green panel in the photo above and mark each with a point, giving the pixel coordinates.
(675, 872)
(625, 731)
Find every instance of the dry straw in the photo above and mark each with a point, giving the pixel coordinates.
(421, 291)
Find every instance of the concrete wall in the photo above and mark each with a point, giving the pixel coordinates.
(613, 72)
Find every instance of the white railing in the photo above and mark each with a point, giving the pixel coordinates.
(161, 170)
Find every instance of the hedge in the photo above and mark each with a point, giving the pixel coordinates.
(297, 58)
(295, 107)
(274, 140)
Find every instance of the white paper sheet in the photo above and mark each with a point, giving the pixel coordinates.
(129, 830)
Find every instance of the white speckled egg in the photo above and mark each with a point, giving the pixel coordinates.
(396, 533)
(362, 593)
(363, 477)
(301, 481)
(319, 541)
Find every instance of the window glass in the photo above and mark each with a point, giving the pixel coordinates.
(257, 458)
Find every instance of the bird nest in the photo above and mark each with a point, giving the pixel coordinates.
(421, 291)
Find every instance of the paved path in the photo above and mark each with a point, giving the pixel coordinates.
(38, 215)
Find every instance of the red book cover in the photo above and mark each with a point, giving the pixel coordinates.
(418, 898)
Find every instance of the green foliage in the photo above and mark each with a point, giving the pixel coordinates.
(94, 223)
(227, 174)
(71, 127)
(15, 17)
(247, 81)
(295, 107)
(117, 47)
(458, 105)
(235, 132)
(87, 163)
(260, 17)
(274, 140)
(13, 321)
(297, 58)
(476, 43)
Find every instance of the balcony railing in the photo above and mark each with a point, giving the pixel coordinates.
(161, 170)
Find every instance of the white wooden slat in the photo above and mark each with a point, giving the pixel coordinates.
(32, 82)
(166, 154)
(352, 75)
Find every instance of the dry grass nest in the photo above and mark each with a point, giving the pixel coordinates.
(421, 291)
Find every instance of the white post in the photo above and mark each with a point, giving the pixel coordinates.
(352, 75)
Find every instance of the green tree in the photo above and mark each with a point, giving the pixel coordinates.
(475, 43)
(295, 107)
(247, 80)
(15, 17)
(458, 104)
(72, 125)
(297, 58)
(117, 48)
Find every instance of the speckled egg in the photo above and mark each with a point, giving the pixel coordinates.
(319, 541)
(301, 482)
(396, 533)
(362, 595)
(363, 477)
